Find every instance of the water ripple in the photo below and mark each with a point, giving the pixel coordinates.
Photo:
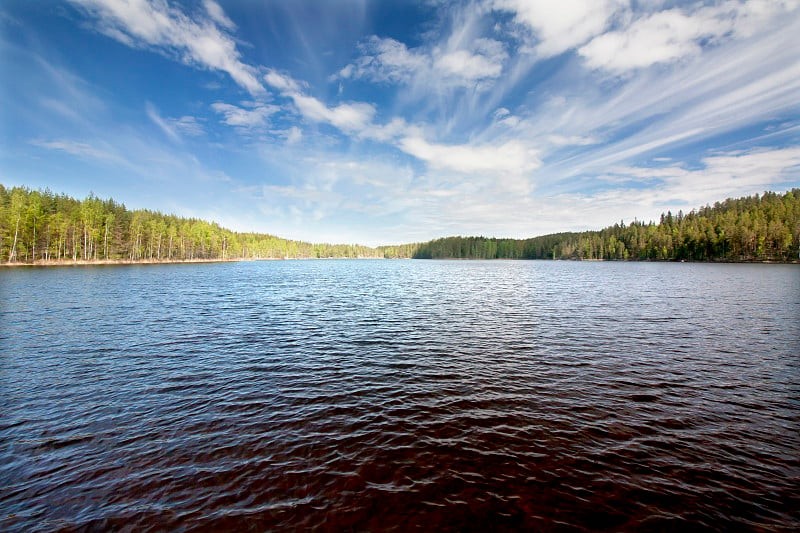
(397, 395)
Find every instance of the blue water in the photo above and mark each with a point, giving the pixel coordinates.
(396, 395)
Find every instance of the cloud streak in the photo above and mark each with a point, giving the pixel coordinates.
(509, 157)
(205, 44)
(249, 117)
(168, 129)
(387, 60)
(80, 149)
(675, 34)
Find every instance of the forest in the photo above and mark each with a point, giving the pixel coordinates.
(753, 228)
(40, 226)
(43, 227)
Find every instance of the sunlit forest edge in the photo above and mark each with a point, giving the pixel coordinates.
(42, 227)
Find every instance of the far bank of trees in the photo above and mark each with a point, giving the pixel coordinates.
(753, 228)
(40, 226)
(43, 226)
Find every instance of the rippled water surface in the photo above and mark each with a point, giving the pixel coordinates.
(397, 395)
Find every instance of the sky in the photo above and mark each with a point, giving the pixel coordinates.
(382, 122)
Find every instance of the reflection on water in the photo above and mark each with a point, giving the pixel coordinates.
(391, 395)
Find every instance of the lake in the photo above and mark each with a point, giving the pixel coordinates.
(397, 395)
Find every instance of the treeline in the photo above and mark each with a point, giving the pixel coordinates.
(43, 226)
(754, 228)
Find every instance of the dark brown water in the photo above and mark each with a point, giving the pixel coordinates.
(397, 395)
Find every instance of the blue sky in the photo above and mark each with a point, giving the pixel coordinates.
(385, 122)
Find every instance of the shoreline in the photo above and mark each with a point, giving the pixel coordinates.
(102, 262)
(129, 262)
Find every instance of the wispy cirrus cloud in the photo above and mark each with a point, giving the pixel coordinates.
(218, 15)
(204, 43)
(646, 192)
(678, 33)
(510, 157)
(724, 175)
(282, 82)
(482, 61)
(390, 61)
(349, 117)
(175, 128)
(252, 115)
(356, 118)
(725, 90)
(168, 129)
(385, 60)
(619, 35)
(83, 150)
(188, 125)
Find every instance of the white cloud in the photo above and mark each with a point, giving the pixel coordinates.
(753, 16)
(572, 140)
(143, 23)
(674, 34)
(482, 60)
(334, 194)
(436, 203)
(80, 149)
(645, 193)
(294, 135)
(254, 117)
(281, 82)
(504, 117)
(348, 117)
(643, 34)
(465, 66)
(563, 25)
(187, 125)
(740, 84)
(393, 129)
(168, 129)
(659, 38)
(174, 127)
(218, 15)
(511, 157)
(388, 60)
(735, 174)
(726, 175)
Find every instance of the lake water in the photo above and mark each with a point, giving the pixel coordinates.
(396, 395)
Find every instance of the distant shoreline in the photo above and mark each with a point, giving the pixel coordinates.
(708, 261)
(125, 262)
(128, 262)
(751, 229)
(95, 262)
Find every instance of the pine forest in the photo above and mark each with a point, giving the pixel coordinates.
(44, 227)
